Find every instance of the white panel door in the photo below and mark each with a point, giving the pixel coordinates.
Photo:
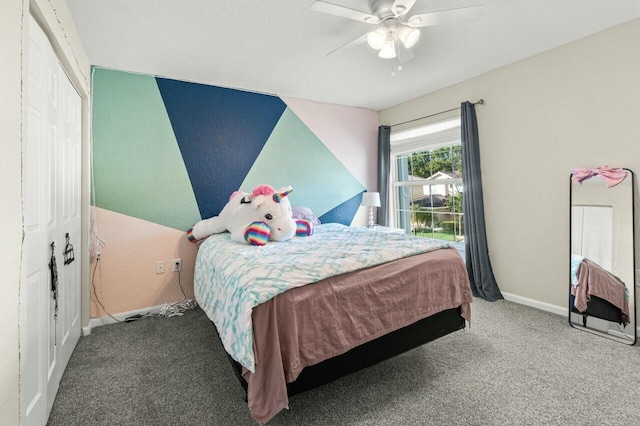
(51, 187)
(34, 291)
(577, 213)
(592, 233)
(68, 174)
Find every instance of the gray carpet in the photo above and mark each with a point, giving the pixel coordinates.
(515, 366)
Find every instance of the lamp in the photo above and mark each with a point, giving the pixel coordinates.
(386, 38)
(376, 38)
(388, 50)
(408, 36)
(371, 200)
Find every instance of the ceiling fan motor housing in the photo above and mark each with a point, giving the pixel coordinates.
(381, 8)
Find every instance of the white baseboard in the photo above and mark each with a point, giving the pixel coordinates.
(543, 306)
(97, 322)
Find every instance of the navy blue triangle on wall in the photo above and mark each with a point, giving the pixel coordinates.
(220, 133)
(343, 213)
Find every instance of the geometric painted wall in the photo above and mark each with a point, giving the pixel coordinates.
(172, 152)
(168, 153)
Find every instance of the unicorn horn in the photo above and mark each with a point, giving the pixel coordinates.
(280, 195)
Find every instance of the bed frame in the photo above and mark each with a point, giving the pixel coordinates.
(597, 308)
(373, 352)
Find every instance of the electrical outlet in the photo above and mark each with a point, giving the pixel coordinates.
(177, 265)
(160, 267)
(98, 255)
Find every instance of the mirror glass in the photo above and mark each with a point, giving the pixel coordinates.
(602, 279)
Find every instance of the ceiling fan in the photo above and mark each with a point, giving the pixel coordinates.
(397, 32)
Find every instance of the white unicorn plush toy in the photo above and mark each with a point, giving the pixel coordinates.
(255, 218)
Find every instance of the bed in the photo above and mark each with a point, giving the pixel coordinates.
(595, 292)
(297, 314)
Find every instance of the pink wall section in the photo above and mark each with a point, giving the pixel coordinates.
(126, 278)
(351, 134)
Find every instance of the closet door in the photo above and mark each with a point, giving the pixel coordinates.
(51, 188)
(69, 213)
(591, 233)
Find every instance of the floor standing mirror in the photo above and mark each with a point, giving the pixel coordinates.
(602, 278)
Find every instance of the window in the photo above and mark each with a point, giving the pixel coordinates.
(426, 170)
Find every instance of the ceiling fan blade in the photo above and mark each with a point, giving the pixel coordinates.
(343, 12)
(445, 16)
(403, 53)
(402, 7)
(359, 40)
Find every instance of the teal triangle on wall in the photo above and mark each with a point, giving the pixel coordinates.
(293, 155)
(137, 166)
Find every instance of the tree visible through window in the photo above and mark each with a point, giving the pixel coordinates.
(428, 191)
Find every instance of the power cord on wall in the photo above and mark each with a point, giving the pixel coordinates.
(180, 307)
(93, 285)
(169, 310)
(184, 296)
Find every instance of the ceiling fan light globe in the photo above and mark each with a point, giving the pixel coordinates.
(388, 51)
(408, 36)
(376, 39)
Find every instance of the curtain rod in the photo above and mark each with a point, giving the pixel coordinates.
(480, 102)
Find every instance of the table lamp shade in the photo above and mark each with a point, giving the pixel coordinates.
(370, 199)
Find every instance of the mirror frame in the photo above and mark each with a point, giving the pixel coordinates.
(632, 313)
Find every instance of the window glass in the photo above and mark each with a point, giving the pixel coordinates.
(427, 182)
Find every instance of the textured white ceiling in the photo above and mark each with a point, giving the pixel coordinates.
(280, 46)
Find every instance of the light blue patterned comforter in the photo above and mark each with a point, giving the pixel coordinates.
(576, 260)
(232, 278)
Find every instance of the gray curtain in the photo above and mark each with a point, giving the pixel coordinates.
(483, 283)
(384, 159)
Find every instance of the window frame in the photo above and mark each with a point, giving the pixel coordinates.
(425, 137)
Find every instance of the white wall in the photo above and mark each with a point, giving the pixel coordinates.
(56, 21)
(10, 187)
(574, 106)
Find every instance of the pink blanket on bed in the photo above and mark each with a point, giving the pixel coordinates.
(310, 324)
